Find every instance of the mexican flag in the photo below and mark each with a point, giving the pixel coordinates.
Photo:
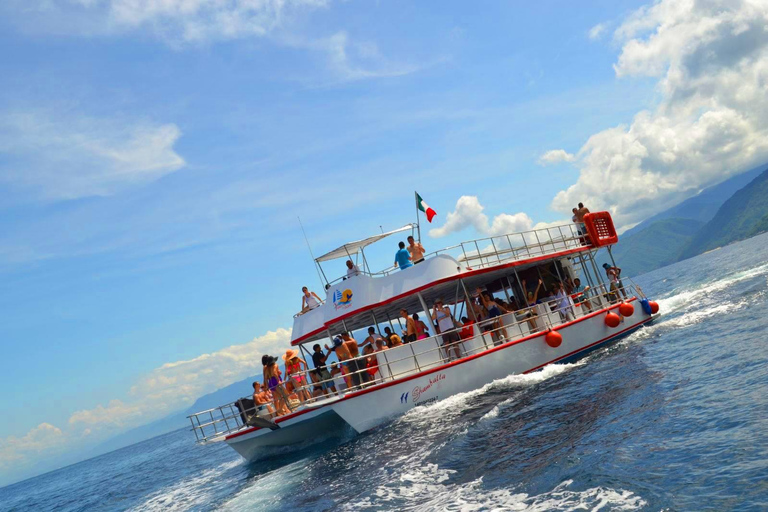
(424, 207)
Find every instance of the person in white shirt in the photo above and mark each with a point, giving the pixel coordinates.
(352, 269)
(563, 304)
(309, 300)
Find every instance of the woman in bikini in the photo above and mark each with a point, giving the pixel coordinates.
(494, 311)
(295, 375)
(275, 385)
(422, 331)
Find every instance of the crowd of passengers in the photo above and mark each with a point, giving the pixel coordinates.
(283, 391)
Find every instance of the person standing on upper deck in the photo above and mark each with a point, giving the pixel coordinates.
(309, 300)
(352, 269)
(403, 257)
(416, 250)
(579, 214)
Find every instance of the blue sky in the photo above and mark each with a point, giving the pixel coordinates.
(154, 158)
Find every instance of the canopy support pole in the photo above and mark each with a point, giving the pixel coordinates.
(471, 310)
(425, 308)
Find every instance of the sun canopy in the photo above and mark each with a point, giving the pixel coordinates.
(348, 249)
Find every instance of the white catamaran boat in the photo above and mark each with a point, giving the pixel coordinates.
(509, 331)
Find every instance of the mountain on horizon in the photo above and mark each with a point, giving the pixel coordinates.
(704, 205)
(668, 236)
(742, 216)
(178, 419)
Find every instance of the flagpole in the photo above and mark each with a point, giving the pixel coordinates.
(418, 226)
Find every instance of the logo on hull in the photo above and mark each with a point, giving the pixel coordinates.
(342, 299)
(404, 398)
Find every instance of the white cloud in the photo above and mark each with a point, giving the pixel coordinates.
(178, 384)
(115, 414)
(165, 389)
(469, 212)
(357, 61)
(62, 155)
(42, 440)
(597, 31)
(555, 156)
(711, 59)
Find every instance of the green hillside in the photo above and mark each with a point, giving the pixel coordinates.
(741, 216)
(657, 245)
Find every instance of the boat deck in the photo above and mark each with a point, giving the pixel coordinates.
(410, 359)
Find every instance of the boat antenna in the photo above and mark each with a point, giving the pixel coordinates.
(317, 265)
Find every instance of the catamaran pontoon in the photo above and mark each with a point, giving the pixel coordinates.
(423, 371)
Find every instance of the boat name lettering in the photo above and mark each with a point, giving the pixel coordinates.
(419, 390)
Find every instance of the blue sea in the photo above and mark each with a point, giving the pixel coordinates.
(673, 417)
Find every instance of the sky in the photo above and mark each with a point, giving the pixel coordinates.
(155, 156)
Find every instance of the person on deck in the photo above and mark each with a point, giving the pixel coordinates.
(410, 327)
(416, 250)
(371, 339)
(355, 365)
(295, 374)
(318, 360)
(614, 276)
(494, 311)
(579, 213)
(467, 328)
(403, 257)
(447, 328)
(422, 331)
(309, 300)
(275, 384)
(260, 399)
(563, 304)
(340, 382)
(352, 270)
(318, 389)
(579, 294)
(371, 363)
(393, 340)
(344, 356)
(532, 299)
(381, 345)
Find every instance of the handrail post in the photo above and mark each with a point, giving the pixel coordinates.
(495, 251)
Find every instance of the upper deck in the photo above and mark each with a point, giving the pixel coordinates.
(441, 270)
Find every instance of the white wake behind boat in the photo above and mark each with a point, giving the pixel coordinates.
(418, 373)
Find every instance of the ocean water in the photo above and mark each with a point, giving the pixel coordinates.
(673, 417)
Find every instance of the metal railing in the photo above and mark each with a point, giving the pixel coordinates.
(214, 424)
(501, 249)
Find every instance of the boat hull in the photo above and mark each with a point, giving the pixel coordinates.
(370, 407)
(304, 431)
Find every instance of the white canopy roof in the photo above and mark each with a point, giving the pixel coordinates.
(351, 248)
